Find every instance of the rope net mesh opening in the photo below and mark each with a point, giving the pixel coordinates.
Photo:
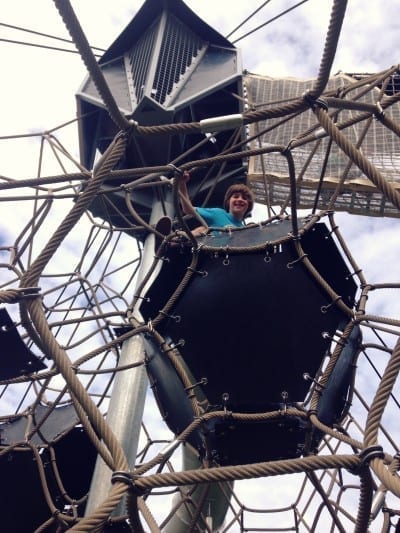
(69, 280)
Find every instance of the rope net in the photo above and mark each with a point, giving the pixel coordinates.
(357, 193)
(69, 282)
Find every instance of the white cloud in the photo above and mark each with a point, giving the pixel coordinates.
(38, 87)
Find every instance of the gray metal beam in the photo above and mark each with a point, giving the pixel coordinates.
(128, 396)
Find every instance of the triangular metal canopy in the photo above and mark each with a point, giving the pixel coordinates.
(148, 13)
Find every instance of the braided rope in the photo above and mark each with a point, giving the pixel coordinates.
(32, 310)
(67, 13)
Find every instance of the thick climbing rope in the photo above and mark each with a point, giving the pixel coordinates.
(367, 457)
(79, 38)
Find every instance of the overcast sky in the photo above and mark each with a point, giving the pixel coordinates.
(38, 86)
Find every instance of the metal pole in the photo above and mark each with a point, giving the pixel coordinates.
(214, 504)
(125, 417)
(127, 401)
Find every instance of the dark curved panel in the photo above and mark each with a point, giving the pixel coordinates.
(253, 326)
(15, 359)
(23, 506)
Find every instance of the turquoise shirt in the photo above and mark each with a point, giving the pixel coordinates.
(216, 217)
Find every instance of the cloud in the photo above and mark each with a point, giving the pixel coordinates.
(38, 88)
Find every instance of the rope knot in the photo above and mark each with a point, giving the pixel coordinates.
(315, 102)
(119, 476)
(379, 113)
(131, 126)
(175, 169)
(312, 412)
(370, 453)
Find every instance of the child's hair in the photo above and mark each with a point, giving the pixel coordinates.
(245, 190)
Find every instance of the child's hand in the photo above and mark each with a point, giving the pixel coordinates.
(185, 176)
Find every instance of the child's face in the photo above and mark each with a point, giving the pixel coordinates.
(238, 205)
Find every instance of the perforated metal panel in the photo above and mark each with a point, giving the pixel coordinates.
(180, 46)
(140, 59)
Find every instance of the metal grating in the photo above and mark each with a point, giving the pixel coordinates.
(178, 49)
(180, 46)
(140, 59)
(378, 144)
